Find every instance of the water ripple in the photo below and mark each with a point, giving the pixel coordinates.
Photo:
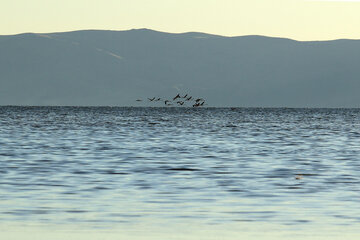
(211, 166)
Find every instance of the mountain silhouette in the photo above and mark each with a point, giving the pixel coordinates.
(114, 68)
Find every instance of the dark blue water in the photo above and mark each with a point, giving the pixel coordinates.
(297, 170)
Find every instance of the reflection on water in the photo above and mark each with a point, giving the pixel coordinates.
(294, 170)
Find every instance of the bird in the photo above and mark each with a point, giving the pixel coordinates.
(197, 102)
(176, 97)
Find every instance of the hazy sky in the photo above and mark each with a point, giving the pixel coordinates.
(297, 19)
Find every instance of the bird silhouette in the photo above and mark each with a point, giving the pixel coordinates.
(176, 97)
(196, 102)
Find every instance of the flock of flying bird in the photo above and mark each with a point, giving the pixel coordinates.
(179, 100)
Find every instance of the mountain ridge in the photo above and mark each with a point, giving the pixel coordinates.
(181, 33)
(104, 67)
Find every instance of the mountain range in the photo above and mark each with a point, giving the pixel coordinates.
(114, 68)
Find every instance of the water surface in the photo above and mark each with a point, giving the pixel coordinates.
(187, 173)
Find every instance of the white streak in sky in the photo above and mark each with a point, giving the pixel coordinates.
(110, 53)
(114, 55)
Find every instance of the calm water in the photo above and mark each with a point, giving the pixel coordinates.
(181, 170)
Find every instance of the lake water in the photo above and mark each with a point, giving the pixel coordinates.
(179, 173)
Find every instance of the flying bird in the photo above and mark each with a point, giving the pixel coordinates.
(198, 101)
(176, 97)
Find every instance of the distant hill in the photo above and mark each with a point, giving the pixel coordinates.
(114, 68)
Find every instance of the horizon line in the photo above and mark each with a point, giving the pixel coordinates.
(119, 106)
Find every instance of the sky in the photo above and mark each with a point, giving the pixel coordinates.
(296, 19)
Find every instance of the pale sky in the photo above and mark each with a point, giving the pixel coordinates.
(296, 19)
